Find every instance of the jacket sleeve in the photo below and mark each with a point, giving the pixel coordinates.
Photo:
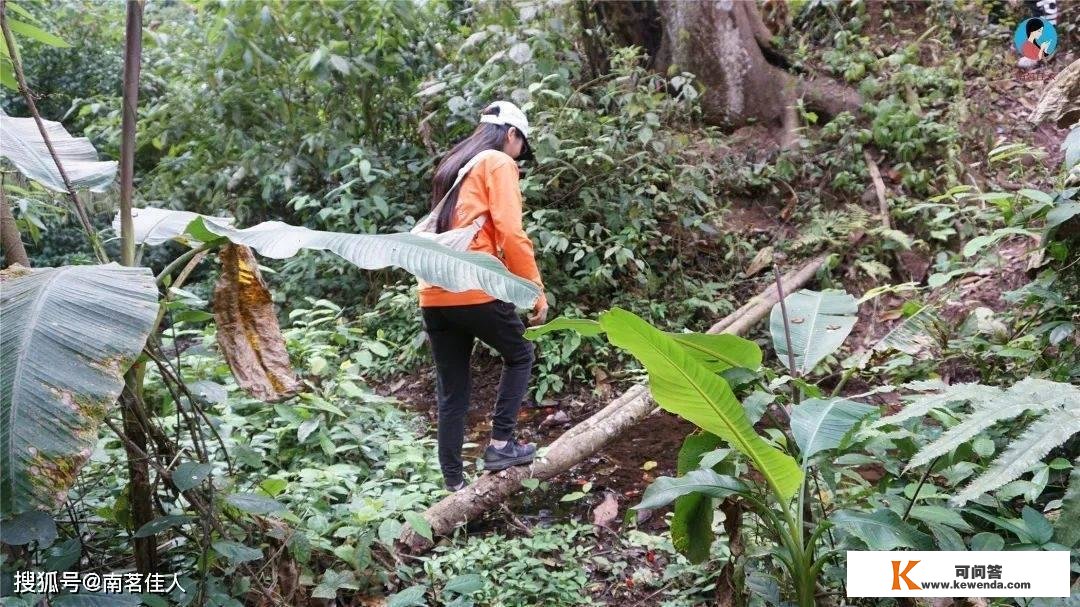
(505, 207)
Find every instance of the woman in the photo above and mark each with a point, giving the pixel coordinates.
(1031, 47)
(453, 321)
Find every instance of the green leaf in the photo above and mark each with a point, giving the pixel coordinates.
(881, 530)
(236, 552)
(331, 582)
(153, 600)
(584, 326)
(36, 33)
(1016, 526)
(694, 446)
(192, 316)
(1036, 195)
(819, 324)
(190, 474)
(916, 333)
(691, 522)
(23, 146)
(946, 538)
(940, 514)
(987, 542)
(273, 486)
(666, 489)
(1061, 213)
(818, 424)
(691, 526)
(431, 259)
(419, 524)
(413, 596)
(1038, 527)
(254, 503)
(685, 387)
(63, 556)
(30, 526)
(1067, 525)
(1071, 147)
(980, 242)
(465, 584)
(530, 483)
(162, 523)
(389, 530)
(720, 351)
(56, 382)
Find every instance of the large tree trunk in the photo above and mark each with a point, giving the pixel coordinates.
(587, 437)
(727, 46)
(721, 43)
(10, 238)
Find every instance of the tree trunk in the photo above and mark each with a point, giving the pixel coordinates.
(133, 408)
(587, 437)
(721, 43)
(10, 238)
(727, 46)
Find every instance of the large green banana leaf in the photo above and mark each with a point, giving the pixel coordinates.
(717, 351)
(684, 386)
(819, 323)
(818, 425)
(422, 257)
(22, 144)
(67, 336)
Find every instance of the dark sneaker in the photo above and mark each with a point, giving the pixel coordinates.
(512, 454)
(455, 487)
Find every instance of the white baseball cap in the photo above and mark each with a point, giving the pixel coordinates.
(511, 115)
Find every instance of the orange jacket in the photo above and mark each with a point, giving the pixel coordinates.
(490, 187)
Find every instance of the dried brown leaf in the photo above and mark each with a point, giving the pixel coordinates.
(247, 328)
(607, 511)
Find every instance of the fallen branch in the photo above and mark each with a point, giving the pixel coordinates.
(586, 438)
(879, 188)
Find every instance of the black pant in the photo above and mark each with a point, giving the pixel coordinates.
(451, 331)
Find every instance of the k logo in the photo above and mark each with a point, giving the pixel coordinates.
(897, 574)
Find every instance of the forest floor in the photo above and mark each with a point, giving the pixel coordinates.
(998, 106)
(621, 470)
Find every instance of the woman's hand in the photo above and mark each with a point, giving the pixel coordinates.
(539, 313)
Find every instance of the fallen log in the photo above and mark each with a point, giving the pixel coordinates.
(586, 438)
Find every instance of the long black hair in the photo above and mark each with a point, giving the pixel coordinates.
(1033, 25)
(487, 136)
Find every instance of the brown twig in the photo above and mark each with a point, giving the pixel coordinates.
(879, 188)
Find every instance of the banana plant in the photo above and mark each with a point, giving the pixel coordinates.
(685, 377)
(68, 336)
(23, 146)
(423, 257)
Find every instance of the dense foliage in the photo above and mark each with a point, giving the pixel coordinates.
(332, 115)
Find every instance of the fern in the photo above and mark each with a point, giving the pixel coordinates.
(926, 403)
(984, 416)
(1057, 406)
(1049, 431)
(918, 335)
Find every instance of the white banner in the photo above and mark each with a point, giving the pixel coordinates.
(958, 574)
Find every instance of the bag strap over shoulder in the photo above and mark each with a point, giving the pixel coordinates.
(427, 224)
